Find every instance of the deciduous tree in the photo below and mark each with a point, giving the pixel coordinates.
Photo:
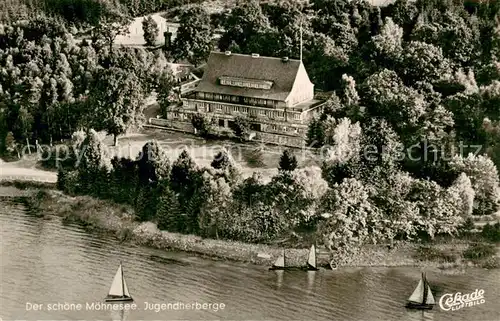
(151, 30)
(244, 21)
(118, 101)
(485, 181)
(194, 36)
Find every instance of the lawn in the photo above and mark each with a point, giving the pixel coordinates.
(204, 151)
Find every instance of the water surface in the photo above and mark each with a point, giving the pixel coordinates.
(45, 261)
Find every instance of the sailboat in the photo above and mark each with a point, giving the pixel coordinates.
(118, 291)
(280, 263)
(422, 297)
(311, 260)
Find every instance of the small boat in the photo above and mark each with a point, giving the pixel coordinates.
(311, 260)
(422, 297)
(118, 292)
(280, 263)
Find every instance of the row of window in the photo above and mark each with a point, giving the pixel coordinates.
(274, 128)
(286, 129)
(237, 99)
(258, 102)
(262, 112)
(245, 83)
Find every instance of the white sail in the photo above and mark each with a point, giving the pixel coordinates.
(430, 297)
(125, 288)
(418, 295)
(280, 262)
(117, 286)
(312, 256)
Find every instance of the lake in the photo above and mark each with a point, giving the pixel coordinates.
(46, 262)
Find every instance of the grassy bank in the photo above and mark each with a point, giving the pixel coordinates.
(25, 185)
(119, 220)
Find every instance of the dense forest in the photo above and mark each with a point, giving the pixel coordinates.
(51, 84)
(415, 83)
(81, 13)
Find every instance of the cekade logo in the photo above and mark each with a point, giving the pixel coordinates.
(455, 302)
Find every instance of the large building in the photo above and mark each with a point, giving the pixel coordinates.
(274, 94)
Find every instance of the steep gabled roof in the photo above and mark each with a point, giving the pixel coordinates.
(282, 74)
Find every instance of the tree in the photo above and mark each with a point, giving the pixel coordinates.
(105, 32)
(194, 36)
(454, 30)
(94, 164)
(381, 146)
(346, 141)
(404, 14)
(153, 164)
(118, 101)
(350, 95)
(168, 216)
(10, 144)
(183, 174)
(315, 133)
(151, 30)
(424, 62)
(166, 93)
(214, 211)
(241, 127)
(323, 58)
(392, 194)
(288, 161)
(438, 209)
(351, 219)
(462, 188)
(221, 160)
(342, 159)
(388, 44)
(124, 180)
(485, 181)
(250, 191)
(386, 96)
(201, 124)
(243, 22)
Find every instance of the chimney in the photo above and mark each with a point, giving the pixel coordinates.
(284, 59)
(168, 39)
(255, 55)
(227, 53)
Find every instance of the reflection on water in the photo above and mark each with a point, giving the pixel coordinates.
(279, 278)
(44, 261)
(310, 280)
(120, 315)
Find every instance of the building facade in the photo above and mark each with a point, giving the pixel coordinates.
(275, 95)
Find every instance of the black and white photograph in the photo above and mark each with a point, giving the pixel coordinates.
(250, 160)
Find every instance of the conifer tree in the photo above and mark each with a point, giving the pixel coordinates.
(288, 161)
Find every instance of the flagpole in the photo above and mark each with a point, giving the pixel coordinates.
(301, 40)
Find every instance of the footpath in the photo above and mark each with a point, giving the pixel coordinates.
(25, 170)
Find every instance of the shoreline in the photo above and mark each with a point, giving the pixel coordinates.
(117, 219)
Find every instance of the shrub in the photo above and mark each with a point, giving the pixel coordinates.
(479, 251)
(466, 227)
(71, 183)
(240, 127)
(202, 124)
(255, 158)
(428, 253)
(491, 232)
(58, 156)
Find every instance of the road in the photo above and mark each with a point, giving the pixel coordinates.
(25, 170)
